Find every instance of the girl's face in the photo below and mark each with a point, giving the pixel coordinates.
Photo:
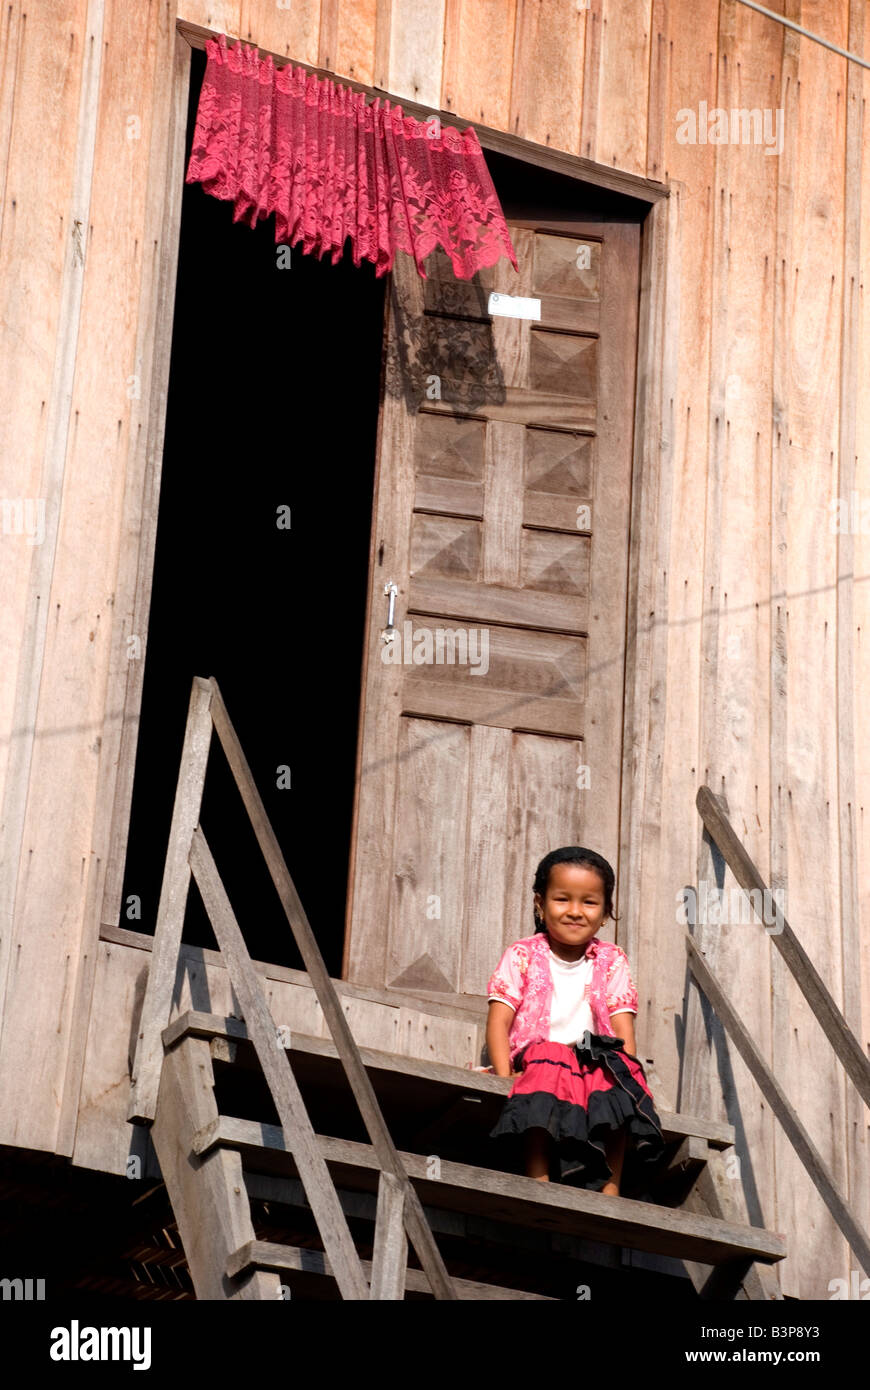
(572, 908)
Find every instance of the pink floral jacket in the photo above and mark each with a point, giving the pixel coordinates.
(522, 979)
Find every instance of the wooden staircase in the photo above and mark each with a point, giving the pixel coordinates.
(313, 1179)
(257, 1151)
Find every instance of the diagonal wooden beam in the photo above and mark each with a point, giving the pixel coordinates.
(846, 1045)
(157, 1004)
(295, 1124)
(388, 1157)
(775, 1097)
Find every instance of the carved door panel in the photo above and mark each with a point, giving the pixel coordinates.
(502, 516)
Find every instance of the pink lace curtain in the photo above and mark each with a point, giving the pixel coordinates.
(330, 167)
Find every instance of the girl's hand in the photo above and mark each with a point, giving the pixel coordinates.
(498, 1025)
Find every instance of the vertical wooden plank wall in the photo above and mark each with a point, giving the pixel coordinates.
(751, 655)
(734, 718)
(44, 212)
(773, 673)
(811, 284)
(664, 821)
(851, 560)
(860, 633)
(92, 84)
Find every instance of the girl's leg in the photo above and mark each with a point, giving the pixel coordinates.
(614, 1149)
(537, 1152)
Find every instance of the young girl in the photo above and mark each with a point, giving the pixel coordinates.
(561, 1019)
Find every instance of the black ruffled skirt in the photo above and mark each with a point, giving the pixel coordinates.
(579, 1095)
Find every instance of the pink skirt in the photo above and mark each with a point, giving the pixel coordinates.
(579, 1095)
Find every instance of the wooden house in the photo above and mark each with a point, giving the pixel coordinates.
(225, 474)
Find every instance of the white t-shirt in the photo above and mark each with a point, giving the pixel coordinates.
(570, 1011)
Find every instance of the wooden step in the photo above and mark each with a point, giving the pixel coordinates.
(290, 1259)
(431, 1090)
(490, 1247)
(508, 1198)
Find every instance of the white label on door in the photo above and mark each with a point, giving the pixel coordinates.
(512, 306)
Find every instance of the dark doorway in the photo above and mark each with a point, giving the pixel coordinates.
(273, 398)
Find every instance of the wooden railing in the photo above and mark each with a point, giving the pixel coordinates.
(845, 1044)
(400, 1214)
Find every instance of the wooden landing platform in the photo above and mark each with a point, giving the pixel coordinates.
(448, 1111)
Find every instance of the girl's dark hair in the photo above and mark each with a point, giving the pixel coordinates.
(584, 859)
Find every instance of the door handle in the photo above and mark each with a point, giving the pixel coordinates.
(391, 592)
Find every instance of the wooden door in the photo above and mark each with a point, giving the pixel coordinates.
(502, 512)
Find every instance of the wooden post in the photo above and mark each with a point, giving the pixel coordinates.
(390, 1255)
(208, 1194)
(173, 902)
(299, 1136)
